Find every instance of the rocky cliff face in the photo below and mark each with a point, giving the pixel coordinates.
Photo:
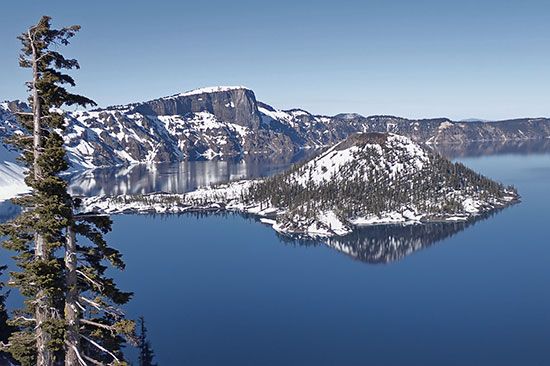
(201, 124)
(235, 105)
(229, 121)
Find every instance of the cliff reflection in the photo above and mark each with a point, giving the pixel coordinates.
(176, 177)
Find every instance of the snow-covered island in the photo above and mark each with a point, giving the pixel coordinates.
(367, 179)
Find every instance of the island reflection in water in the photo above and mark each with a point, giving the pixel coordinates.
(381, 244)
(377, 244)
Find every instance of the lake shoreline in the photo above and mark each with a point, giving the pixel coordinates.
(227, 198)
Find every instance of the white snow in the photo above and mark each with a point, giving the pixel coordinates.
(298, 113)
(266, 221)
(470, 205)
(445, 125)
(211, 89)
(330, 164)
(276, 115)
(323, 168)
(11, 180)
(328, 224)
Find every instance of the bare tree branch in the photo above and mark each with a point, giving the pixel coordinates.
(99, 325)
(101, 308)
(95, 362)
(44, 55)
(92, 303)
(24, 319)
(78, 355)
(95, 283)
(101, 348)
(4, 346)
(80, 306)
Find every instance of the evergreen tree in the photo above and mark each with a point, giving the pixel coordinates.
(146, 354)
(38, 231)
(58, 290)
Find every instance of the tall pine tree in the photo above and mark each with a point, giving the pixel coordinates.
(60, 279)
(38, 231)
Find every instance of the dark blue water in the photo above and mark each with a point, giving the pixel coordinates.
(228, 291)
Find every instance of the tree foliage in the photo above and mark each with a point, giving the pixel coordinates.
(40, 238)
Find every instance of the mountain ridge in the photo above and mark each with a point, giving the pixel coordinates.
(225, 122)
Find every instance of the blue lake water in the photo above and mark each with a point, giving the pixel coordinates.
(227, 290)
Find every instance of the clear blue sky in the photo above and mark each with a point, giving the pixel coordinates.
(459, 59)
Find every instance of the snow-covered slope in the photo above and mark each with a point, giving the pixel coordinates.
(396, 154)
(11, 180)
(11, 174)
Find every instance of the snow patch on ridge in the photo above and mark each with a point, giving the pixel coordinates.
(329, 165)
(211, 89)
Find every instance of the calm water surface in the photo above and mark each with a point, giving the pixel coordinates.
(227, 290)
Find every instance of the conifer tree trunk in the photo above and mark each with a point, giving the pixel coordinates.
(37, 109)
(72, 316)
(43, 302)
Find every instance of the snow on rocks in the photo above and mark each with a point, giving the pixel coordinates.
(406, 157)
(211, 89)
